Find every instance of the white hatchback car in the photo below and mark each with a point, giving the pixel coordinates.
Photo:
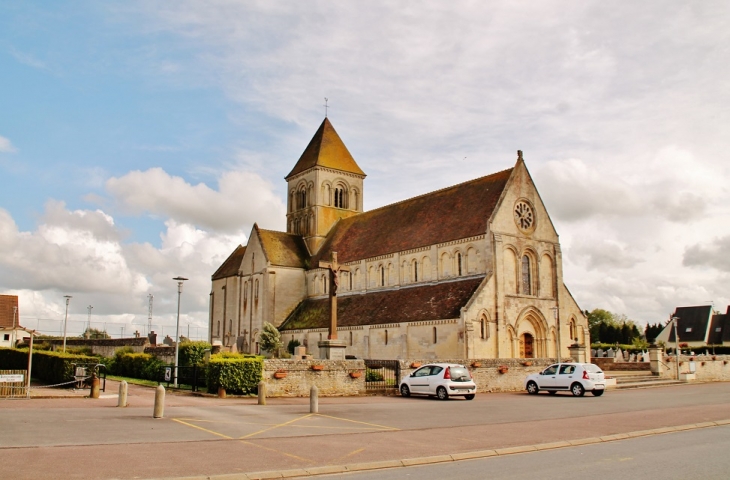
(443, 380)
(577, 378)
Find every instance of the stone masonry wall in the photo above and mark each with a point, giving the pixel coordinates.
(487, 376)
(706, 369)
(333, 380)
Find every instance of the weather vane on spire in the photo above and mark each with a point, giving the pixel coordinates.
(325, 107)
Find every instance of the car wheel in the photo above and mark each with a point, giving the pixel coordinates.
(442, 394)
(405, 391)
(552, 392)
(577, 390)
(532, 388)
(470, 396)
(597, 393)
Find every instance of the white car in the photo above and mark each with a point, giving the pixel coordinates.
(443, 380)
(576, 378)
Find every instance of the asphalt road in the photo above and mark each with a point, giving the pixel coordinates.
(84, 438)
(692, 454)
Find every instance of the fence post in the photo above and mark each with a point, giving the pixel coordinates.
(314, 399)
(159, 402)
(262, 393)
(122, 394)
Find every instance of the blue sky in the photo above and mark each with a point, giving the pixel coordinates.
(141, 140)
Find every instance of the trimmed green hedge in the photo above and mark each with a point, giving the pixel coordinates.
(236, 374)
(137, 365)
(51, 367)
(192, 353)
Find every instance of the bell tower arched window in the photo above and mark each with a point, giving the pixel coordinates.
(340, 198)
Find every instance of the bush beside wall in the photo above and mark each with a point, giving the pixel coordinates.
(239, 375)
(51, 367)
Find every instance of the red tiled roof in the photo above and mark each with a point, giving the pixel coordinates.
(326, 149)
(232, 264)
(406, 304)
(452, 213)
(284, 249)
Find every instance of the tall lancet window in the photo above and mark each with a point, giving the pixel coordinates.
(526, 276)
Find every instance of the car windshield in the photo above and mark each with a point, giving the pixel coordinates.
(459, 374)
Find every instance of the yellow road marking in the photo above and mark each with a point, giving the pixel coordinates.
(277, 426)
(201, 428)
(354, 452)
(362, 423)
(277, 451)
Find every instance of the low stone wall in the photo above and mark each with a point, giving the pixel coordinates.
(487, 375)
(708, 368)
(334, 380)
(106, 347)
(163, 353)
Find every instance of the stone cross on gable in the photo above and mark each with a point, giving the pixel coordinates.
(335, 269)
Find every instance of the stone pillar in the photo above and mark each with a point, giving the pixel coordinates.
(331, 349)
(578, 353)
(656, 353)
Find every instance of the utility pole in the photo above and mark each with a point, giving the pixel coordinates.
(149, 314)
(180, 281)
(15, 314)
(88, 323)
(676, 343)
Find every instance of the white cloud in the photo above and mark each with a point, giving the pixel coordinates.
(6, 146)
(242, 198)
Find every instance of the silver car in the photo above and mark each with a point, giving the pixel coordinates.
(443, 380)
(576, 378)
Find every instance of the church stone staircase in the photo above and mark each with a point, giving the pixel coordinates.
(639, 379)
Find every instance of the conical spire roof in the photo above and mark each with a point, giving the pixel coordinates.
(326, 150)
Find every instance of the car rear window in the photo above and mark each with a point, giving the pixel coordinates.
(460, 374)
(592, 368)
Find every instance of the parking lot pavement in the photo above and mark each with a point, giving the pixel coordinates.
(207, 436)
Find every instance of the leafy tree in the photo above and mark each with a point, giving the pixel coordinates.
(94, 333)
(652, 331)
(608, 327)
(270, 339)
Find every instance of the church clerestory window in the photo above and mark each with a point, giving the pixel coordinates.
(526, 276)
(458, 263)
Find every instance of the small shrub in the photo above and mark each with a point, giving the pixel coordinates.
(293, 343)
(192, 353)
(373, 376)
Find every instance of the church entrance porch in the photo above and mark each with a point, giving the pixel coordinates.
(526, 346)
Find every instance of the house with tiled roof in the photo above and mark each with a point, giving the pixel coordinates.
(469, 271)
(697, 326)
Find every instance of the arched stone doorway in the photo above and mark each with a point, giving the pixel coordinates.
(527, 346)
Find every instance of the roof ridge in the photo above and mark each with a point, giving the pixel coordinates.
(474, 180)
(278, 231)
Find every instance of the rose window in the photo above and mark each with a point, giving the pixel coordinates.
(524, 217)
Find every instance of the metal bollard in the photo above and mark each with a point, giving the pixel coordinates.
(94, 393)
(159, 402)
(314, 399)
(122, 394)
(262, 393)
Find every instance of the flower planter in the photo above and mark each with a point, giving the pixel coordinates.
(714, 357)
(416, 364)
(527, 364)
(476, 364)
(221, 392)
(503, 369)
(317, 368)
(703, 364)
(724, 362)
(279, 375)
(355, 374)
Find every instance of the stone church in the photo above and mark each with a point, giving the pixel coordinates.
(469, 271)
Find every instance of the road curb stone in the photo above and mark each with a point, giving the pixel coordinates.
(408, 462)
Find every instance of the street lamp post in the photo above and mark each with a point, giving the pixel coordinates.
(676, 343)
(65, 321)
(15, 335)
(180, 281)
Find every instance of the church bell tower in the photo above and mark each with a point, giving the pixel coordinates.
(325, 185)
